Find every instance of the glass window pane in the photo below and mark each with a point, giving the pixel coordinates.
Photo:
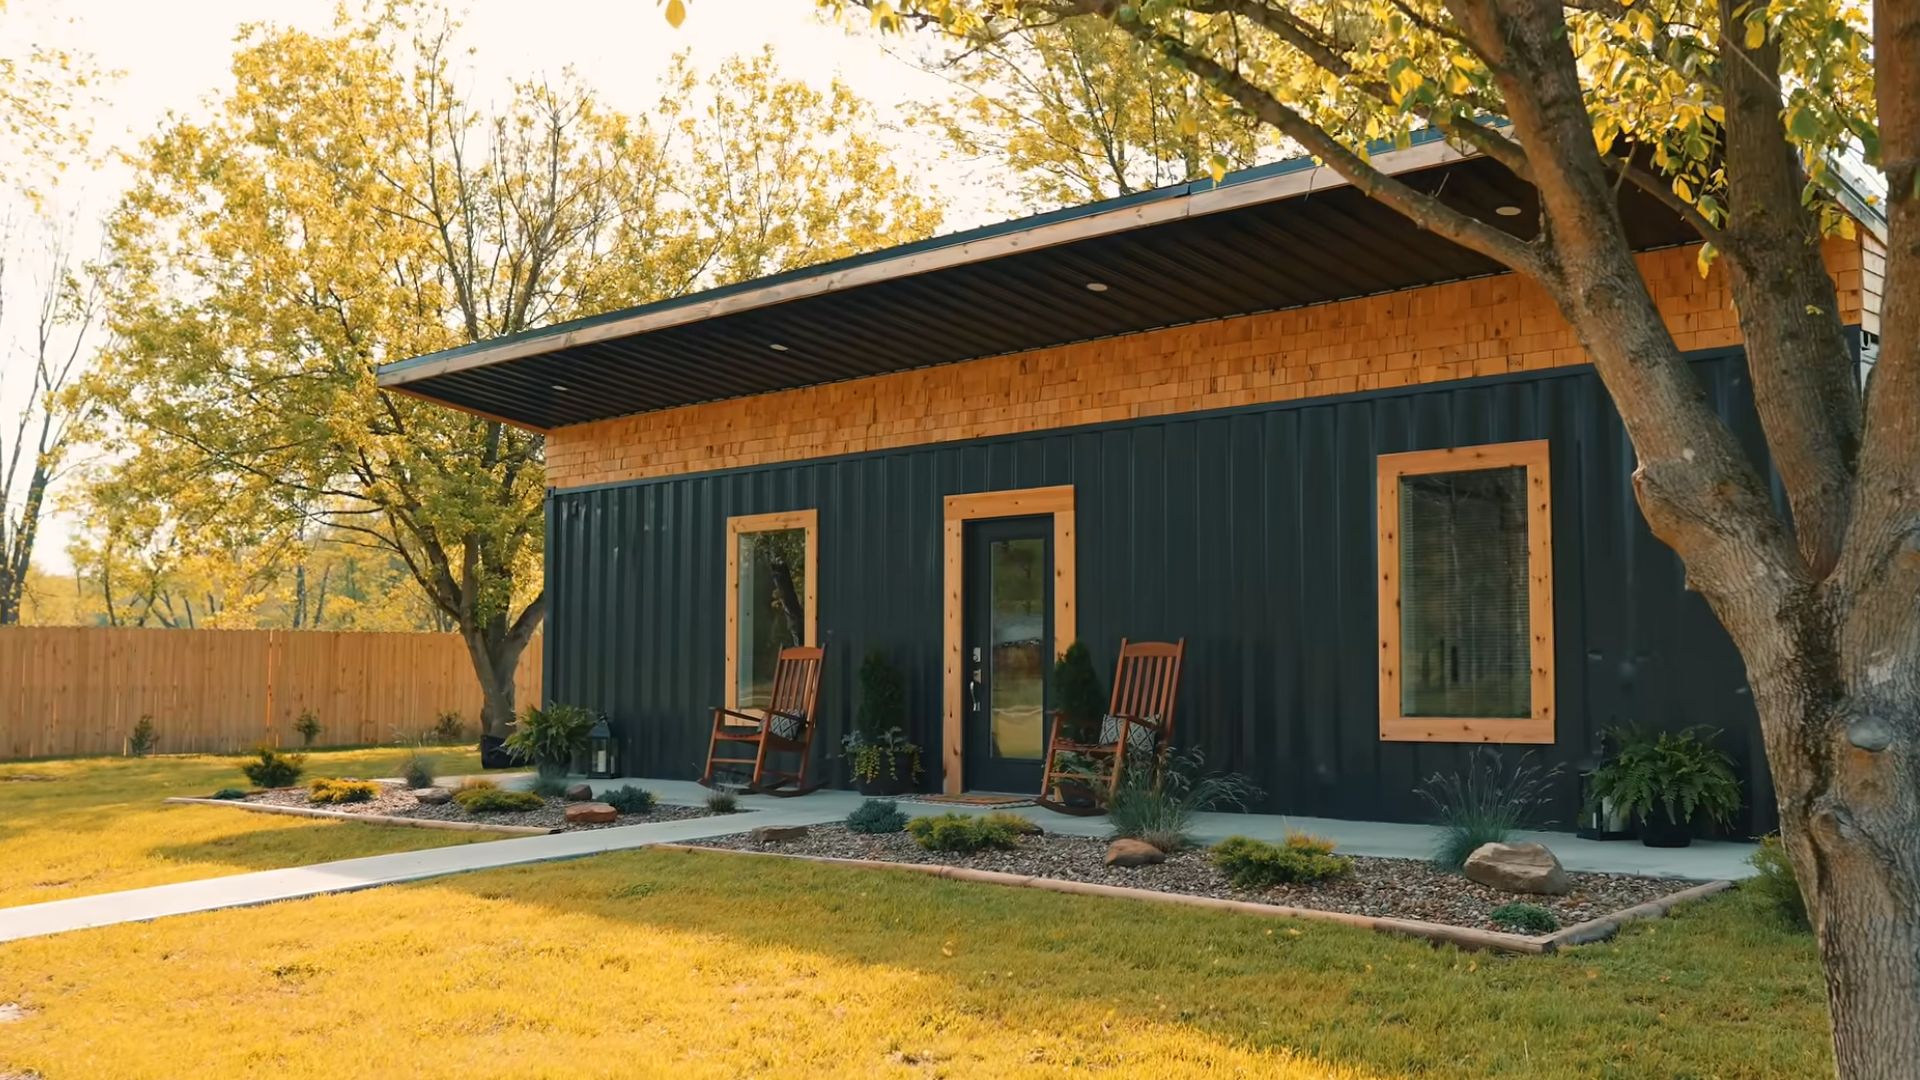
(1465, 642)
(1018, 620)
(772, 616)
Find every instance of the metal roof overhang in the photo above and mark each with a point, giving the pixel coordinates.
(1281, 236)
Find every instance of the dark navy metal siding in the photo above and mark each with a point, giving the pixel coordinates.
(1248, 532)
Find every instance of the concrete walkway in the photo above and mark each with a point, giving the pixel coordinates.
(1702, 862)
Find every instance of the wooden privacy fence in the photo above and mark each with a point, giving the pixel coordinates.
(79, 690)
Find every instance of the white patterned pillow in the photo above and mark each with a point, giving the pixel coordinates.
(1141, 739)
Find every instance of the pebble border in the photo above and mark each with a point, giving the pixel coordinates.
(1464, 936)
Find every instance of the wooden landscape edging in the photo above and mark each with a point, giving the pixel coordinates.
(375, 819)
(1465, 937)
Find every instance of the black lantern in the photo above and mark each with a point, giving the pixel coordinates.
(603, 752)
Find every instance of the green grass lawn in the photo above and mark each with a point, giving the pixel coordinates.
(78, 826)
(642, 964)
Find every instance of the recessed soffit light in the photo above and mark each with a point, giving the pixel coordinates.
(1097, 286)
(776, 346)
(559, 389)
(1508, 211)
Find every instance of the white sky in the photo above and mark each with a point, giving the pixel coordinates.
(172, 56)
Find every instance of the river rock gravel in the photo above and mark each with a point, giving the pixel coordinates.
(1392, 888)
(395, 801)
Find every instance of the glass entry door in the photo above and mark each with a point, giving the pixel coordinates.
(1007, 651)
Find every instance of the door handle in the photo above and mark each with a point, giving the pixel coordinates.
(973, 690)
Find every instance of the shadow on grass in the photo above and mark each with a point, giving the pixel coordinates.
(1718, 990)
(306, 843)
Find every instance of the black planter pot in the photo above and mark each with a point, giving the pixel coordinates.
(897, 781)
(1662, 832)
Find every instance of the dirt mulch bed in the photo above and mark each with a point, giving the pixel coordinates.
(1390, 888)
(395, 801)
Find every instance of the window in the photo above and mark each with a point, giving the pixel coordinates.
(771, 590)
(1466, 595)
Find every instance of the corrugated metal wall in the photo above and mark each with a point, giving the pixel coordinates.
(1250, 533)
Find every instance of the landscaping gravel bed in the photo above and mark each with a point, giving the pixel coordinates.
(394, 801)
(1389, 888)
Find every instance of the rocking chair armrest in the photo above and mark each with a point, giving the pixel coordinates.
(798, 718)
(1144, 721)
(720, 711)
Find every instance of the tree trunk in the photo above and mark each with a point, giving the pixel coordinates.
(495, 646)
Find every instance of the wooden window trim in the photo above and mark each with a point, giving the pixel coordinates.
(810, 603)
(957, 511)
(1539, 726)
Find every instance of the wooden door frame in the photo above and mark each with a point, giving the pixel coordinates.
(1054, 502)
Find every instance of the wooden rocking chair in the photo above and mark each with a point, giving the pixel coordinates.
(786, 728)
(1139, 723)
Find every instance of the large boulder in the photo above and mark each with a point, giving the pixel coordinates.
(578, 793)
(591, 813)
(1518, 868)
(1127, 852)
(431, 796)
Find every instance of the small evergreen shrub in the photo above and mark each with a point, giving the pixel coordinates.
(477, 783)
(877, 816)
(1524, 919)
(964, 832)
(229, 793)
(326, 790)
(415, 770)
(1257, 864)
(449, 726)
(548, 787)
(723, 802)
(141, 739)
(495, 800)
(274, 769)
(1484, 804)
(629, 799)
(1012, 822)
(1776, 884)
(307, 726)
(1077, 695)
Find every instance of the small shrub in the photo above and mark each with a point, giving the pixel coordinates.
(1257, 864)
(1011, 822)
(449, 726)
(1776, 884)
(415, 770)
(275, 769)
(629, 799)
(325, 790)
(1076, 694)
(1161, 811)
(1485, 804)
(1524, 919)
(477, 783)
(229, 793)
(308, 727)
(548, 787)
(722, 802)
(964, 832)
(141, 739)
(552, 737)
(877, 816)
(495, 800)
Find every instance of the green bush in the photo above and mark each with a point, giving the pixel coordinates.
(415, 770)
(1076, 694)
(1257, 864)
(548, 787)
(877, 816)
(325, 790)
(722, 802)
(274, 769)
(1674, 773)
(307, 726)
(141, 739)
(552, 737)
(449, 726)
(965, 832)
(1776, 884)
(1524, 919)
(495, 800)
(1485, 804)
(1161, 812)
(629, 799)
(229, 793)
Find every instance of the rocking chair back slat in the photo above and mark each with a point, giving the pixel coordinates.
(1148, 681)
(796, 682)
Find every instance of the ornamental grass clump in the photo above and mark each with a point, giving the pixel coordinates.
(328, 790)
(628, 799)
(877, 816)
(307, 726)
(1256, 864)
(416, 771)
(274, 769)
(966, 833)
(1160, 810)
(723, 802)
(1776, 884)
(495, 800)
(1485, 803)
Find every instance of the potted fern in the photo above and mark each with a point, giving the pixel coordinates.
(551, 738)
(884, 760)
(1666, 781)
